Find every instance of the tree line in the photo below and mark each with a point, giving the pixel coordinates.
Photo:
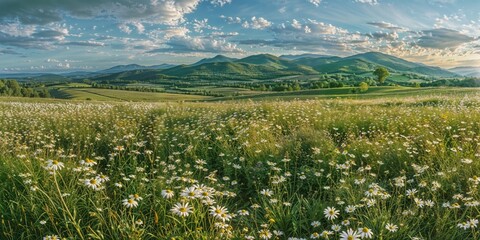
(12, 88)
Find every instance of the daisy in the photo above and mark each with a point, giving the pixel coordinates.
(54, 165)
(218, 211)
(93, 183)
(264, 234)
(168, 193)
(350, 234)
(136, 197)
(243, 212)
(365, 232)
(331, 213)
(130, 203)
(391, 227)
(51, 237)
(190, 193)
(182, 209)
(350, 209)
(326, 233)
(315, 224)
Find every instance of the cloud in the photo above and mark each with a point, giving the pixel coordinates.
(371, 2)
(257, 23)
(84, 43)
(168, 12)
(315, 2)
(388, 36)
(197, 44)
(388, 26)
(443, 38)
(220, 2)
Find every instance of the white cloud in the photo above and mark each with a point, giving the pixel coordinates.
(296, 24)
(190, 44)
(257, 23)
(124, 28)
(139, 26)
(315, 2)
(169, 12)
(220, 2)
(371, 2)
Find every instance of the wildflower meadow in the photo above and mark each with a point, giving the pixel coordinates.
(316, 169)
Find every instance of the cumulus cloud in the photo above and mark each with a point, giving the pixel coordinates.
(371, 2)
(220, 2)
(315, 2)
(388, 36)
(257, 23)
(43, 12)
(443, 38)
(190, 44)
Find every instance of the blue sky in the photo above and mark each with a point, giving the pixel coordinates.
(88, 35)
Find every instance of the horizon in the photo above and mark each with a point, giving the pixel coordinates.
(69, 36)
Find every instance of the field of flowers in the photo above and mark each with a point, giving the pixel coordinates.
(318, 169)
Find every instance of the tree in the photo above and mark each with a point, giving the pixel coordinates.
(363, 87)
(381, 73)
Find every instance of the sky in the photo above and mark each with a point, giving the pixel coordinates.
(89, 35)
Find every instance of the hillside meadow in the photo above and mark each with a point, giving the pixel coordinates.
(369, 168)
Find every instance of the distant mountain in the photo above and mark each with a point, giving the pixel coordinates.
(400, 65)
(132, 67)
(467, 71)
(306, 55)
(218, 58)
(263, 66)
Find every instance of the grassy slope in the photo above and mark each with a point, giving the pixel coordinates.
(120, 95)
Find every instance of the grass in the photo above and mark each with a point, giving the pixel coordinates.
(121, 95)
(402, 167)
(373, 92)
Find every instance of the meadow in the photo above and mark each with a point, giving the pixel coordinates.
(403, 167)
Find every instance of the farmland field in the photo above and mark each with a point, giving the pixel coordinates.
(401, 167)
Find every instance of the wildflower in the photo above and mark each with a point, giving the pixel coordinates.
(391, 227)
(43, 222)
(136, 197)
(243, 212)
(365, 232)
(265, 234)
(266, 192)
(51, 237)
(220, 213)
(92, 183)
(473, 223)
(278, 233)
(350, 234)
(139, 222)
(331, 213)
(130, 203)
(168, 193)
(326, 233)
(315, 235)
(182, 209)
(190, 193)
(350, 209)
(315, 223)
(336, 227)
(464, 225)
(88, 162)
(54, 165)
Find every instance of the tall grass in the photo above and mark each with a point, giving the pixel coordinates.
(383, 169)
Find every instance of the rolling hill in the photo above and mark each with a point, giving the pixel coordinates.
(264, 66)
